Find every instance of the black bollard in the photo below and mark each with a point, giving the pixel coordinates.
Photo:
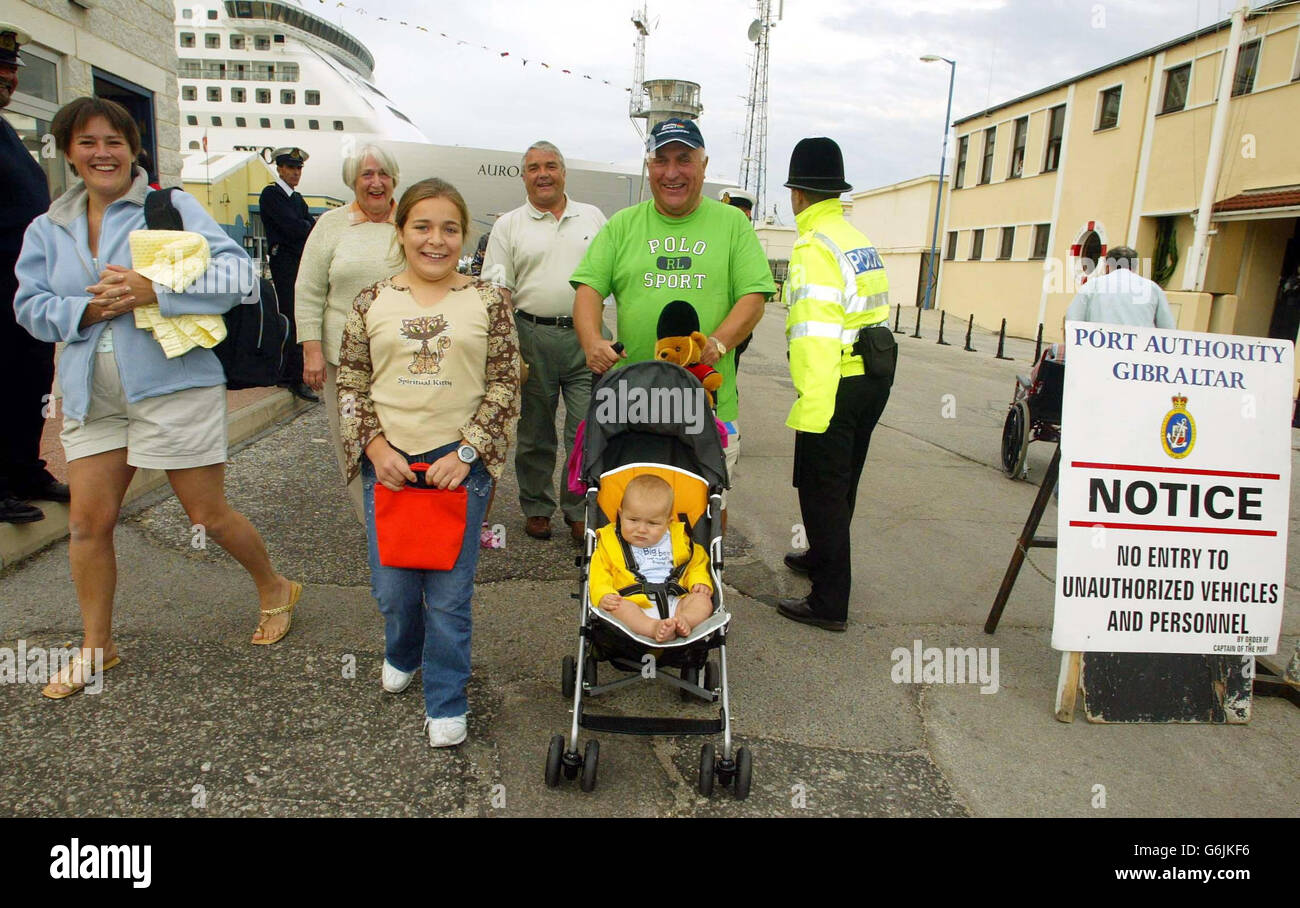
(1002, 337)
(942, 313)
(898, 315)
(1038, 344)
(970, 325)
(918, 322)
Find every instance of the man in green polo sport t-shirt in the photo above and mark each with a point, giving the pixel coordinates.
(678, 245)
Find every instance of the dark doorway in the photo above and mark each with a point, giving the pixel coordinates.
(1286, 307)
(924, 278)
(138, 102)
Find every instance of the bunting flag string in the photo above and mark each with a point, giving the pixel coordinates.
(459, 42)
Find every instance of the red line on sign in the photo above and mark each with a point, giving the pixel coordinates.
(1140, 469)
(1165, 528)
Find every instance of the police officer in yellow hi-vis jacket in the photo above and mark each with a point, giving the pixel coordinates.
(842, 359)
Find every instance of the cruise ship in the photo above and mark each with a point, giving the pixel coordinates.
(255, 75)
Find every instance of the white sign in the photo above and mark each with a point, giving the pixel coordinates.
(1174, 491)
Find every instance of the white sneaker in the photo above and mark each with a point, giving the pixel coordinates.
(394, 681)
(445, 732)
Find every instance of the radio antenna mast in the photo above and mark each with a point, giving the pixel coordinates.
(753, 172)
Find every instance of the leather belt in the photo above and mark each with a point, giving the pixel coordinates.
(558, 321)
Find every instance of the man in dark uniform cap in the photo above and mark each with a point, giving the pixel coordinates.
(287, 222)
(26, 364)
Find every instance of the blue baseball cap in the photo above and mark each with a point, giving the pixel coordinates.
(674, 129)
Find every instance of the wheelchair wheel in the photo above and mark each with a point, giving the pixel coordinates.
(1015, 439)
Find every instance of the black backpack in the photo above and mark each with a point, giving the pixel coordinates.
(253, 350)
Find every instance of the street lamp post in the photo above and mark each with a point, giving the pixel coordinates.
(932, 273)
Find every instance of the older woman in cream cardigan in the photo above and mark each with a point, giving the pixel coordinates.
(351, 248)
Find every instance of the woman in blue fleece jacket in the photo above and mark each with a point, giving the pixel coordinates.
(126, 405)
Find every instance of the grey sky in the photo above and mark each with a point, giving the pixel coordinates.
(843, 68)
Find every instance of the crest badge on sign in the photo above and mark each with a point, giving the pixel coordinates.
(1178, 430)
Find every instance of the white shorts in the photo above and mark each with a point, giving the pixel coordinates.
(653, 611)
(174, 431)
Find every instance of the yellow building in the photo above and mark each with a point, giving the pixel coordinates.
(230, 184)
(1045, 183)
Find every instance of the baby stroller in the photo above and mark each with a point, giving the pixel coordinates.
(621, 443)
(1034, 413)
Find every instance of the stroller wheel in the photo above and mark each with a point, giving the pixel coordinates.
(553, 757)
(706, 769)
(744, 772)
(568, 676)
(590, 757)
(712, 676)
(589, 671)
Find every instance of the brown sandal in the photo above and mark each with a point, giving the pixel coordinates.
(79, 669)
(295, 591)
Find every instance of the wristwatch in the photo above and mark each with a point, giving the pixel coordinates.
(722, 348)
(467, 454)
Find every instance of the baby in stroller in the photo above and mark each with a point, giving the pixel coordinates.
(647, 572)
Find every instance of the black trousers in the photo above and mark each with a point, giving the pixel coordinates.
(27, 375)
(827, 467)
(284, 272)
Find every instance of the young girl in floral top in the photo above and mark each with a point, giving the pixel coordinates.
(429, 371)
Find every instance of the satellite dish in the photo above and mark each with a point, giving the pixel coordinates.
(755, 31)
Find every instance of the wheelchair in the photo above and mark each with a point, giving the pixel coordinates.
(1034, 414)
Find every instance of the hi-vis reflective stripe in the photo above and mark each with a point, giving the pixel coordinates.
(818, 291)
(855, 303)
(824, 329)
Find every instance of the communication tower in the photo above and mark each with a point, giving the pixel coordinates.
(753, 168)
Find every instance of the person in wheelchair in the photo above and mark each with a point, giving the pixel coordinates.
(647, 550)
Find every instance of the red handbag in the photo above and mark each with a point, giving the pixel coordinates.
(421, 526)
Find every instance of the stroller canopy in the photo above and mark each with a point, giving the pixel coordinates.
(652, 411)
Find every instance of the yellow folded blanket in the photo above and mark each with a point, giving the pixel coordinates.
(175, 259)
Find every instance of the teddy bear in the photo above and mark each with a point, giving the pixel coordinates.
(680, 341)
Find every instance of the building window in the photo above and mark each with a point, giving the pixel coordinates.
(187, 39)
(240, 121)
(262, 95)
(279, 39)
(1008, 243)
(214, 92)
(1018, 149)
(187, 13)
(194, 146)
(261, 42)
(952, 246)
(239, 95)
(986, 168)
(1176, 82)
(211, 41)
(1055, 130)
(311, 97)
(191, 120)
(338, 125)
(238, 70)
(1108, 108)
(212, 14)
(287, 96)
(288, 124)
(963, 145)
(1041, 233)
(236, 42)
(313, 124)
(976, 245)
(1243, 80)
(264, 122)
(189, 93)
(216, 121)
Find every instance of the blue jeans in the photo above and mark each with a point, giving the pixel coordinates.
(427, 613)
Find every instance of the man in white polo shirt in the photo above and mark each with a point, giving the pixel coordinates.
(531, 253)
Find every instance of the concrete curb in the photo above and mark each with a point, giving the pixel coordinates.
(18, 541)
